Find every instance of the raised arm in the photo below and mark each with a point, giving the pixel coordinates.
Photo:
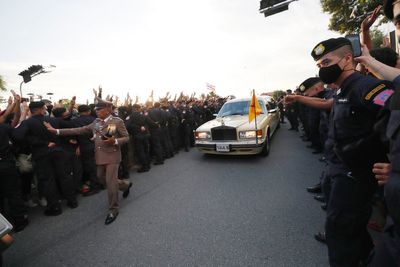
(314, 102)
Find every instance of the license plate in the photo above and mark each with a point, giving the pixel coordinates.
(222, 148)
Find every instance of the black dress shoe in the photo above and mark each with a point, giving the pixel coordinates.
(72, 204)
(321, 237)
(324, 206)
(322, 159)
(110, 218)
(320, 198)
(125, 194)
(53, 211)
(314, 189)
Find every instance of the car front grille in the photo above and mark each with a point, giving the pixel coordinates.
(223, 133)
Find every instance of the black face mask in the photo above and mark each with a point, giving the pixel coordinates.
(330, 74)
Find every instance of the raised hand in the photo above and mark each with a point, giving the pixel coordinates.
(16, 96)
(370, 20)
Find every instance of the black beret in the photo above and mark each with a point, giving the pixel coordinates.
(83, 108)
(57, 112)
(307, 84)
(327, 46)
(388, 9)
(36, 104)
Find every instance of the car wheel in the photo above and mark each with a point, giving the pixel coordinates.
(265, 150)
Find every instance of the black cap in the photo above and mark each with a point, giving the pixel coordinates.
(388, 9)
(83, 108)
(36, 104)
(310, 82)
(327, 46)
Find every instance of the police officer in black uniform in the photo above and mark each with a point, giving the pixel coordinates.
(313, 87)
(46, 158)
(156, 116)
(86, 148)
(138, 126)
(357, 147)
(292, 111)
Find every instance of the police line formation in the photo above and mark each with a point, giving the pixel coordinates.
(350, 113)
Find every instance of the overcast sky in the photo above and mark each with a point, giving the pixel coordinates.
(174, 45)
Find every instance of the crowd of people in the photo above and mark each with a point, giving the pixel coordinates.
(350, 114)
(49, 152)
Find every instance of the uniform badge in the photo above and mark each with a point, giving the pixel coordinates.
(343, 100)
(381, 98)
(319, 49)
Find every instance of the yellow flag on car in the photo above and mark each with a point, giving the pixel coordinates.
(254, 108)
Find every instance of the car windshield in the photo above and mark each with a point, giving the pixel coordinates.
(238, 108)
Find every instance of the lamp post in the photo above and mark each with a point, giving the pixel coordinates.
(31, 72)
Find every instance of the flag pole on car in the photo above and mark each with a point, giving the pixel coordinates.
(254, 110)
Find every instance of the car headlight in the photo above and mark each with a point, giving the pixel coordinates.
(203, 135)
(250, 134)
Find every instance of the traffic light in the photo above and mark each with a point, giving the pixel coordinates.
(269, 3)
(31, 71)
(271, 7)
(26, 75)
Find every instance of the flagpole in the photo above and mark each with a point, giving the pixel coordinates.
(255, 114)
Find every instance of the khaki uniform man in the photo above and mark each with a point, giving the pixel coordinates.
(109, 134)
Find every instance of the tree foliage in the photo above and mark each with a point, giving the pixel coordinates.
(278, 94)
(341, 13)
(2, 84)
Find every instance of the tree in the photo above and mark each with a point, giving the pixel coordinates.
(347, 15)
(377, 37)
(278, 94)
(2, 84)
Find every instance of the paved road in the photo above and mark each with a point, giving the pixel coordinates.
(195, 210)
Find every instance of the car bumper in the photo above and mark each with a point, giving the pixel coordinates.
(234, 149)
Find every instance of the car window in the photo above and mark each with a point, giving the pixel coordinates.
(238, 108)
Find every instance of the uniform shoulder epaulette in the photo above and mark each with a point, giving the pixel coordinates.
(117, 118)
(379, 93)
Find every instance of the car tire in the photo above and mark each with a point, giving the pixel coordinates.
(266, 147)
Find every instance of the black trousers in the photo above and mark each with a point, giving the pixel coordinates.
(155, 138)
(348, 213)
(53, 171)
(123, 170)
(387, 250)
(141, 146)
(89, 167)
(166, 143)
(10, 190)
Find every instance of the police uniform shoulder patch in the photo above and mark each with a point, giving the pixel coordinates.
(378, 95)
